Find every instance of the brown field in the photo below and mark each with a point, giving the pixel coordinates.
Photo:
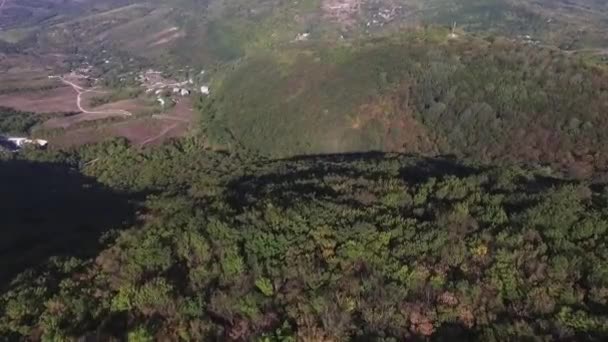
(68, 121)
(131, 105)
(139, 131)
(18, 68)
(56, 100)
(25, 85)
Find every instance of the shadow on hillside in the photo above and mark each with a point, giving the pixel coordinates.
(292, 179)
(47, 210)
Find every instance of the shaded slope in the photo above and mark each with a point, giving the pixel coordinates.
(48, 209)
(359, 246)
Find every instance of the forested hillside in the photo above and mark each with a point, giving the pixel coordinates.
(356, 246)
(419, 92)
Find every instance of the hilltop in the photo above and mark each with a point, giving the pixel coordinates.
(417, 92)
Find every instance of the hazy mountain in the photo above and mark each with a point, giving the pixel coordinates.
(209, 30)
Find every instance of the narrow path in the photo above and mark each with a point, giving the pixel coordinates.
(160, 135)
(80, 90)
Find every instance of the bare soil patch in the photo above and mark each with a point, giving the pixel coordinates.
(130, 105)
(146, 131)
(140, 132)
(56, 100)
(68, 121)
(101, 112)
(183, 110)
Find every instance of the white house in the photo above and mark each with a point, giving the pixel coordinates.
(21, 142)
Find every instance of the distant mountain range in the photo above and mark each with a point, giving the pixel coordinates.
(202, 31)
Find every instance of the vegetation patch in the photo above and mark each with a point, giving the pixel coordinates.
(356, 246)
(493, 100)
(18, 123)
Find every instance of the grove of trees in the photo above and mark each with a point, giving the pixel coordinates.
(366, 246)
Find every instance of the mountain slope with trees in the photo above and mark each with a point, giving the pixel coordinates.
(356, 246)
(417, 92)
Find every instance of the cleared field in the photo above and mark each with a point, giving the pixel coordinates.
(145, 131)
(130, 105)
(105, 112)
(24, 73)
(56, 100)
(139, 131)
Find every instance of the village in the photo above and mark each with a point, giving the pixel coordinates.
(150, 104)
(166, 89)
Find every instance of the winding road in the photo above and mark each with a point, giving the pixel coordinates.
(80, 90)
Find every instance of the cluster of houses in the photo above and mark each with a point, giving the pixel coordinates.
(164, 88)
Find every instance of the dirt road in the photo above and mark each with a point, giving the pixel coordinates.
(80, 90)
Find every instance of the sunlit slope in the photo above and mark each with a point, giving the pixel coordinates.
(417, 92)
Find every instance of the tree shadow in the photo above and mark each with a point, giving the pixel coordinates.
(316, 176)
(48, 209)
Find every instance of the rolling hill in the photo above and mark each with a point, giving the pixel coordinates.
(417, 92)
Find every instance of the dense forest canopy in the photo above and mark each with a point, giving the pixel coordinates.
(366, 246)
